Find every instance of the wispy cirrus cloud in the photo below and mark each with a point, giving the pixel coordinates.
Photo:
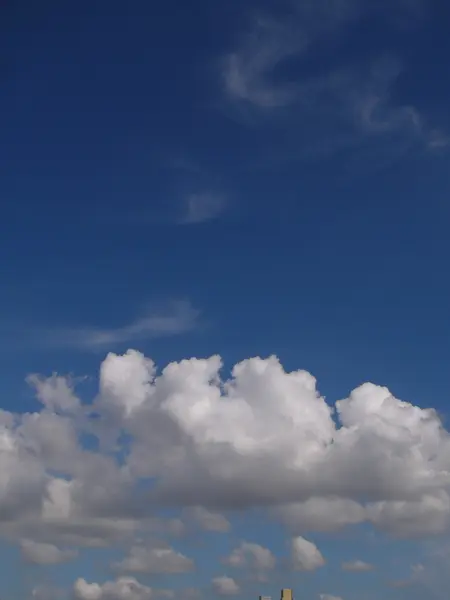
(202, 207)
(176, 318)
(349, 102)
(246, 72)
(197, 197)
(200, 197)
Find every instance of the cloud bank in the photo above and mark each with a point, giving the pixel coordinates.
(186, 438)
(264, 437)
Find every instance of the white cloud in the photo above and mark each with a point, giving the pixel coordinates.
(22, 474)
(208, 520)
(177, 318)
(202, 207)
(320, 514)
(254, 558)
(157, 560)
(184, 439)
(430, 514)
(329, 597)
(246, 70)
(305, 556)
(45, 554)
(125, 588)
(225, 586)
(56, 393)
(357, 565)
(340, 108)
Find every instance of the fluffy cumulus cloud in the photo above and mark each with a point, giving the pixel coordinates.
(45, 554)
(216, 443)
(78, 474)
(125, 588)
(225, 586)
(305, 556)
(155, 561)
(252, 557)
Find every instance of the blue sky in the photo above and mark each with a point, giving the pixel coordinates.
(242, 179)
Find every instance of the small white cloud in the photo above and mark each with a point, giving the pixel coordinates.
(357, 565)
(45, 554)
(225, 586)
(305, 556)
(202, 207)
(208, 520)
(155, 561)
(124, 588)
(251, 556)
(246, 73)
(329, 597)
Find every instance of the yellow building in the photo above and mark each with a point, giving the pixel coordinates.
(286, 594)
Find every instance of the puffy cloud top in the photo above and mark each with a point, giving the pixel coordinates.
(252, 556)
(305, 555)
(225, 586)
(184, 437)
(125, 588)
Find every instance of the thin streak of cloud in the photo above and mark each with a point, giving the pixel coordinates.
(357, 566)
(178, 318)
(344, 107)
